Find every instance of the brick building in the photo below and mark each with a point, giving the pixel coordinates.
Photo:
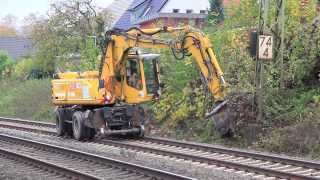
(150, 13)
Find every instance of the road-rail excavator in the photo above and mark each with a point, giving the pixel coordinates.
(108, 101)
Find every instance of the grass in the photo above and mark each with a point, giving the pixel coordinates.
(30, 99)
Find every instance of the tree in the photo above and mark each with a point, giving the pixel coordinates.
(9, 20)
(7, 26)
(74, 18)
(5, 64)
(65, 32)
(6, 31)
(216, 13)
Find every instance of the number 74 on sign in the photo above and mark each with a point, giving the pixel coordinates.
(265, 47)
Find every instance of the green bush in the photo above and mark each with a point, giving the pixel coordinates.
(23, 68)
(300, 138)
(5, 65)
(30, 99)
(89, 56)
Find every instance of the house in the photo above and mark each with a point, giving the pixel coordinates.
(117, 8)
(150, 13)
(16, 47)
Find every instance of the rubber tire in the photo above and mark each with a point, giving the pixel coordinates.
(60, 123)
(69, 129)
(78, 127)
(90, 133)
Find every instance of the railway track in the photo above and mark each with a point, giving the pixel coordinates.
(42, 168)
(77, 164)
(262, 165)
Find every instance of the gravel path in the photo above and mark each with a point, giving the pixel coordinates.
(186, 168)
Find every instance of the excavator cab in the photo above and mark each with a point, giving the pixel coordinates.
(142, 78)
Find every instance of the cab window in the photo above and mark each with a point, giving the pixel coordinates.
(150, 72)
(133, 74)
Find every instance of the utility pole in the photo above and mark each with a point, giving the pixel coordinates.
(282, 24)
(263, 17)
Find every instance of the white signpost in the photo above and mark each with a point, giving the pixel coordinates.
(265, 47)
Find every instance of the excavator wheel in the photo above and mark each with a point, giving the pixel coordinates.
(69, 130)
(90, 133)
(80, 131)
(60, 122)
(78, 127)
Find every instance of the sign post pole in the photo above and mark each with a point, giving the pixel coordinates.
(264, 52)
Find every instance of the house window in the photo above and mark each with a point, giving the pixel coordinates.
(203, 11)
(189, 11)
(175, 10)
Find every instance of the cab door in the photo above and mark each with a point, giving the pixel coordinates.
(134, 90)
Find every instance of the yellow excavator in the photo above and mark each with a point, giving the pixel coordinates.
(107, 101)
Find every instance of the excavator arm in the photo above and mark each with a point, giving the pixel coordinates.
(193, 43)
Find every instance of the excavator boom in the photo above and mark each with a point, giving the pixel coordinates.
(190, 42)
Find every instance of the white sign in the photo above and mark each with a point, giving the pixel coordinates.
(265, 47)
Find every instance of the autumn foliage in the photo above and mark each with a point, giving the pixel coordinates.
(6, 31)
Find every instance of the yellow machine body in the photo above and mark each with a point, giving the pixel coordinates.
(85, 88)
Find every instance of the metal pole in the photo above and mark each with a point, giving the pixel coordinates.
(282, 22)
(264, 6)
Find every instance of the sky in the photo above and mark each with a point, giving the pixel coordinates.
(22, 8)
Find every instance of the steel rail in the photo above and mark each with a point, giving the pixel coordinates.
(48, 167)
(210, 160)
(236, 152)
(125, 166)
(28, 122)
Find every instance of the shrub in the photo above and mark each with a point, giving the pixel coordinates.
(89, 56)
(30, 99)
(301, 138)
(5, 65)
(23, 68)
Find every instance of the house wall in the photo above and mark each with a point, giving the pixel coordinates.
(16, 47)
(128, 19)
(172, 22)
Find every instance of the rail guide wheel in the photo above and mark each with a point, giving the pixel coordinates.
(142, 130)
